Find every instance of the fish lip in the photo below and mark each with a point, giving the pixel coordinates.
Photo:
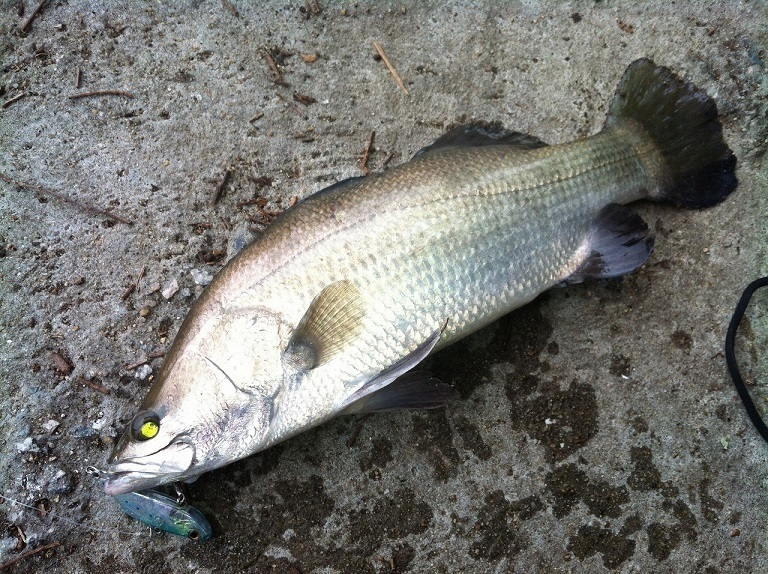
(125, 482)
(142, 472)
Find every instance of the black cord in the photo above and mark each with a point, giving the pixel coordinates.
(730, 356)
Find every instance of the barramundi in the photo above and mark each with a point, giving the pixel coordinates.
(331, 308)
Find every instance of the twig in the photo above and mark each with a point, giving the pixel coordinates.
(273, 66)
(78, 78)
(87, 207)
(30, 553)
(259, 218)
(131, 288)
(220, 187)
(392, 70)
(128, 95)
(261, 180)
(62, 365)
(364, 162)
(138, 363)
(294, 106)
(13, 100)
(94, 386)
(228, 5)
(140, 277)
(28, 21)
(386, 161)
(303, 99)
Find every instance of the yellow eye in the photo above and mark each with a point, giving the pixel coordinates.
(145, 425)
(149, 429)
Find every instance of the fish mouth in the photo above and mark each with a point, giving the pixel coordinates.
(125, 482)
(140, 473)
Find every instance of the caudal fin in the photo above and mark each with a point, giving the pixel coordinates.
(682, 122)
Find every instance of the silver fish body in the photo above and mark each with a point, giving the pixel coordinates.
(328, 311)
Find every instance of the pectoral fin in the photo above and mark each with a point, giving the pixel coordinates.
(415, 390)
(333, 321)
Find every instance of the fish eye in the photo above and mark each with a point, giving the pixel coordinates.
(193, 535)
(145, 425)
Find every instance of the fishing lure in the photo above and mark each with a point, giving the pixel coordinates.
(159, 510)
(730, 356)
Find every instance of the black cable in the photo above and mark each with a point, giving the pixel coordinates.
(730, 356)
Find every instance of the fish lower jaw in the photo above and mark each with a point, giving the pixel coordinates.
(132, 481)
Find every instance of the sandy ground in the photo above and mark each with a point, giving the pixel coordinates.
(649, 463)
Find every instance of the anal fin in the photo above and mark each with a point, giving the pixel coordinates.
(618, 242)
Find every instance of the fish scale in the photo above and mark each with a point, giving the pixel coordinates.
(516, 255)
(513, 257)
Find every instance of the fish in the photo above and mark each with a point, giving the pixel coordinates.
(331, 310)
(159, 510)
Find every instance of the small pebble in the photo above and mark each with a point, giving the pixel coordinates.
(61, 363)
(144, 312)
(27, 445)
(84, 432)
(51, 425)
(170, 289)
(201, 277)
(60, 483)
(239, 243)
(143, 372)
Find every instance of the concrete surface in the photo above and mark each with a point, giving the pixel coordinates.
(648, 464)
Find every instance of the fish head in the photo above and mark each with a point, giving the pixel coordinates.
(213, 402)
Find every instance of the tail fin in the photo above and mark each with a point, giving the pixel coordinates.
(682, 121)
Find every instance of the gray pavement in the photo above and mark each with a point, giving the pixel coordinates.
(597, 429)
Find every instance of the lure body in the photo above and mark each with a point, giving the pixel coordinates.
(158, 510)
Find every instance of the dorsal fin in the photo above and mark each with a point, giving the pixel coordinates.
(334, 319)
(349, 182)
(477, 135)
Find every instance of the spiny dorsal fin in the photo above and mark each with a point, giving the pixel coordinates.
(334, 319)
(334, 187)
(477, 135)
